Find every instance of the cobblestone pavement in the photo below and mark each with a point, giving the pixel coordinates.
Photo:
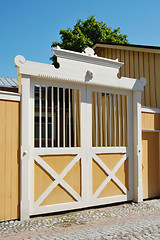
(122, 221)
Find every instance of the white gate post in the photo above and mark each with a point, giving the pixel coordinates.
(137, 135)
(25, 146)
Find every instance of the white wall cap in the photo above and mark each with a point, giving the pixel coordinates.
(11, 96)
(88, 56)
(80, 67)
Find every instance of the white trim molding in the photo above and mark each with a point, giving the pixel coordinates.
(11, 96)
(150, 109)
(74, 66)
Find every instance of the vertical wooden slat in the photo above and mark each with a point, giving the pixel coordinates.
(75, 119)
(126, 65)
(96, 111)
(114, 54)
(109, 53)
(131, 65)
(136, 65)
(105, 52)
(152, 80)
(105, 122)
(64, 129)
(58, 114)
(15, 161)
(141, 74)
(157, 76)
(119, 123)
(114, 103)
(8, 160)
(69, 117)
(78, 122)
(123, 120)
(119, 59)
(127, 130)
(108, 120)
(110, 109)
(52, 104)
(2, 159)
(100, 119)
(93, 120)
(122, 60)
(46, 118)
(40, 116)
(146, 75)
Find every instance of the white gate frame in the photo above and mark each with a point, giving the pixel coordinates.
(88, 69)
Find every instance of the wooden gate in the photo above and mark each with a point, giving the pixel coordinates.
(111, 152)
(80, 145)
(81, 153)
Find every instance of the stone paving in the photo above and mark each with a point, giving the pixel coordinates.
(122, 221)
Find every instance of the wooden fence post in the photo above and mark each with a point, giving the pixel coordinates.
(137, 135)
(25, 148)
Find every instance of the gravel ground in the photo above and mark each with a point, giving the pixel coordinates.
(122, 221)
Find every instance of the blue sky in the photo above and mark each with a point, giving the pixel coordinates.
(28, 27)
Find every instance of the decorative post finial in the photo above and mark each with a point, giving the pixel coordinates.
(19, 60)
(89, 52)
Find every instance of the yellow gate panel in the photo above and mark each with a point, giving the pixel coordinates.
(150, 164)
(110, 160)
(58, 162)
(99, 175)
(9, 160)
(58, 196)
(110, 175)
(110, 190)
(122, 174)
(73, 177)
(64, 187)
(42, 180)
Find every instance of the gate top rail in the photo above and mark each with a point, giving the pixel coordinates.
(84, 67)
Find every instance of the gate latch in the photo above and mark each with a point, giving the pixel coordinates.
(24, 153)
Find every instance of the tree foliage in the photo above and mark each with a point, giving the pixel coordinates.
(86, 34)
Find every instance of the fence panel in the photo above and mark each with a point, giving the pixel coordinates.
(9, 159)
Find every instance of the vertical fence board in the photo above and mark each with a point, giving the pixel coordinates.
(157, 75)
(141, 73)
(127, 63)
(152, 82)
(2, 159)
(15, 161)
(146, 75)
(122, 60)
(131, 65)
(8, 172)
(119, 59)
(109, 53)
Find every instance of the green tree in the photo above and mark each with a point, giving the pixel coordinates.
(86, 34)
